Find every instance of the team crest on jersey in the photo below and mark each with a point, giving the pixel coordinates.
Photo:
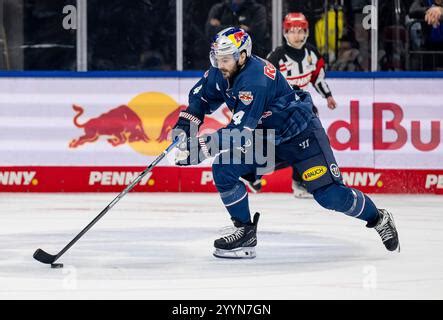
(246, 97)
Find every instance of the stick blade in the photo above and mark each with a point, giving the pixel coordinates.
(44, 257)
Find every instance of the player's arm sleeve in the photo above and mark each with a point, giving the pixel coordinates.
(204, 96)
(318, 77)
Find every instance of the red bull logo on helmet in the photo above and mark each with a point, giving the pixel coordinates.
(238, 38)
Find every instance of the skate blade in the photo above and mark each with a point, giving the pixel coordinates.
(303, 196)
(301, 193)
(239, 253)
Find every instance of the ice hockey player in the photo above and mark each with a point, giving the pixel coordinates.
(301, 64)
(299, 61)
(260, 98)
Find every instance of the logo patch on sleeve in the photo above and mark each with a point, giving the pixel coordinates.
(246, 97)
(314, 173)
(335, 170)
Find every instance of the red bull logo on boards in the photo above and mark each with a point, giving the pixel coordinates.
(145, 124)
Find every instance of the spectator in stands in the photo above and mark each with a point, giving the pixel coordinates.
(392, 34)
(246, 14)
(195, 40)
(131, 35)
(361, 35)
(349, 57)
(431, 11)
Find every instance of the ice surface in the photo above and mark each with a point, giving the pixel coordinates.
(159, 246)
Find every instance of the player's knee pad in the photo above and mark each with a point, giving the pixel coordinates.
(341, 198)
(235, 195)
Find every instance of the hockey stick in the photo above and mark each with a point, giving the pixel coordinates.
(44, 257)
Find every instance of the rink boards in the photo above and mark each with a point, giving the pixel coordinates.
(95, 134)
(173, 179)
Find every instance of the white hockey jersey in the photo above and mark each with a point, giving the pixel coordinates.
(301, 67)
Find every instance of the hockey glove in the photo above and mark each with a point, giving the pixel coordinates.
(187, 123)
(192, 151)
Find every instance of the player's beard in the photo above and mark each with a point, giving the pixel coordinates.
(229, 74)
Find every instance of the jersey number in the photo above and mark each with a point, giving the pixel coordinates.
(270, 71)
(238, 117)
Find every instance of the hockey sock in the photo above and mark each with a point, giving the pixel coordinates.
(351, 202)
(362, 207)
(236, 202)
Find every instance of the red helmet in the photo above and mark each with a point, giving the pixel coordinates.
(295, 20)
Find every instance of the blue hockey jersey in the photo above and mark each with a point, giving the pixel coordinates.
(259, 97)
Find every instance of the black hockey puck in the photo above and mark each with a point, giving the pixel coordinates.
(57, 265)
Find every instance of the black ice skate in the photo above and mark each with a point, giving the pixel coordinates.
(241, 243)
(386, 229)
